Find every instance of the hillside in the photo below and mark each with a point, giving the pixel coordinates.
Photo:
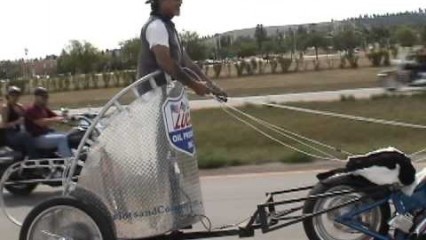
(368, 21)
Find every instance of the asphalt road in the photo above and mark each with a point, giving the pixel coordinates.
(228, 200)
(361, 93)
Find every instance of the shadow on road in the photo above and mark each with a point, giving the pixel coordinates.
(33, 199)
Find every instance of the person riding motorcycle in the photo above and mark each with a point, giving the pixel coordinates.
(39, 118)
(13, 124)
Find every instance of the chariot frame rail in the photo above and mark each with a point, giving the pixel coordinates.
(267, 218)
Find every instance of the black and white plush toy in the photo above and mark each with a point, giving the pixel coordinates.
(381, 167)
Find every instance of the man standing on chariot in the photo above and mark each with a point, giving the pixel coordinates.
(161, 49)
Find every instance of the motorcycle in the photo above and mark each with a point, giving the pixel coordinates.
(410, 71)
(25, 181)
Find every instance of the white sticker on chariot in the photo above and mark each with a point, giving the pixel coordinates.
(177, 118)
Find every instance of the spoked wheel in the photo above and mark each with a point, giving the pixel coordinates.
(66, 218)
(324, 227)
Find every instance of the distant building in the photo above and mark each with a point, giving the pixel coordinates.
(43, 67)
(112, 52)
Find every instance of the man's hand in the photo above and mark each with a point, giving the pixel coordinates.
(200, 88)
(214, 89)
(218, 92)
(58, 119)
(45, 122)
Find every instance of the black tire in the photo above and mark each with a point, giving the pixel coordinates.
(103, 223)
(21, 189)
(356, 183)
(91, 199)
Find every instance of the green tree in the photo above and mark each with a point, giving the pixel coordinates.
(347, 40)
(79, 57)
(225, 41)
(406, 36)
(10, 70)
(423, 35)
(301, 37)
(129, 53)
(194, 45)
(380, 35)
(261, 36)
(246, 49)
(316, 40)
(290, 41)
(280, 43)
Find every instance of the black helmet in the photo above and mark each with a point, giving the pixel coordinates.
(41, 91)
(13, 90)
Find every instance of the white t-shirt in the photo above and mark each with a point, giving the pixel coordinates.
(156, 34)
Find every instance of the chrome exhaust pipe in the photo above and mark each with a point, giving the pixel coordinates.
(421, 228)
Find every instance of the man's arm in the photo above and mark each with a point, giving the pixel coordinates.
(5, 118)
(47, 122)
(216, 90)
(168, 65)
(43, 122)
(158, 39)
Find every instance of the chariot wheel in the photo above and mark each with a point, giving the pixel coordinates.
(325, 227)
(67, 218)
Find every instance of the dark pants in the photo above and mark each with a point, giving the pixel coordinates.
(22, 142)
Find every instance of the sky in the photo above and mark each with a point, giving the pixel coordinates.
(46, 26)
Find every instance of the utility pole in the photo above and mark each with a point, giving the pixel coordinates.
(26, 66)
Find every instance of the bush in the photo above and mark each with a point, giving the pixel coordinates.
(274, 65)
(76, 82)
(229, 68)
(298, 63)
(297, 158)
(217, 69)
(249, 68)
(116, 77)
(343, 63)
(86, 82)
(60, 83)
(261, 67)
(386, 58)
(316, 65)
(211, 160)
(95, 80)
(67, 82)
(394, 51)
(107, 79)
(353, 60)
(375, 58)
(285, 63)
(51, 85)
(330, 63)
(240, 68)
(130, 77)
(254, 64)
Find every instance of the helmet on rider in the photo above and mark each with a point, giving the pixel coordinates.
(14, 91)
(41, 91)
